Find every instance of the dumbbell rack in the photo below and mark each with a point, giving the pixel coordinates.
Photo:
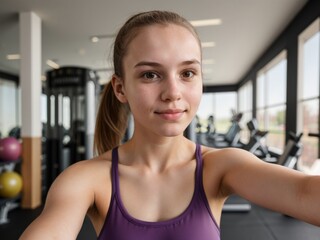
(7, 204)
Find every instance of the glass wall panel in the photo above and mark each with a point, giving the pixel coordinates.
(9, 109)
(218, 105)
(271, 100)
(308, 97)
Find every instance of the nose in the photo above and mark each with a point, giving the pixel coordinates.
(171, 89)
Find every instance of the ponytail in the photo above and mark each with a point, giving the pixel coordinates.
(111, 122)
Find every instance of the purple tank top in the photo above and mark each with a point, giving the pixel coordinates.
(196, 222)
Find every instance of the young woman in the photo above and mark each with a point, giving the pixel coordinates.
(160, 185)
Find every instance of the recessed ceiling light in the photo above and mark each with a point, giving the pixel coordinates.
(13, 56)
(94, 39)
(208, 44)
(97, 38)
(52, 64)
(206, 22)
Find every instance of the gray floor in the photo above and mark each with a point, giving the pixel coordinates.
(262, 224)
(258, 224)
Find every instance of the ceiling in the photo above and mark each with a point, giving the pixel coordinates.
(248, 28)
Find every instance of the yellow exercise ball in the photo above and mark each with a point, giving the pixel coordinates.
(10, 184)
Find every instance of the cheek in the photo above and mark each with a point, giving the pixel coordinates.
(140, 98)
(195, 95)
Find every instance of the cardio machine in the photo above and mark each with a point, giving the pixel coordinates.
(290, 154)
(256, 136)
(228, 139)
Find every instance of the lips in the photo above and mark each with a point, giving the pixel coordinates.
(171, 114)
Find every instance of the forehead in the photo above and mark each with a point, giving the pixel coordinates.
(164, 42)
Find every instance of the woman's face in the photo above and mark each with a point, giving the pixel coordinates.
(162, 80)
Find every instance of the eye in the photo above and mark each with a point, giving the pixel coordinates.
(150, 75)
(187, 74)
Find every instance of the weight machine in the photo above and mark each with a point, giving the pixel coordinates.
(72, 96)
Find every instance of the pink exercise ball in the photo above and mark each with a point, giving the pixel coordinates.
(10, 149)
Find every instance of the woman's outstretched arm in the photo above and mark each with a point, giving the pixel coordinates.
(67, 203)
(272, 186)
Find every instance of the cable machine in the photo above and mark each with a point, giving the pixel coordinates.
(72, 96)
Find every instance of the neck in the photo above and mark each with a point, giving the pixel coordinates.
(157, 155)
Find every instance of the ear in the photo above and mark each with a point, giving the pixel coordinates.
(118, 88)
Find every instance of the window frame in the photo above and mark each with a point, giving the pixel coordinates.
(265, 106)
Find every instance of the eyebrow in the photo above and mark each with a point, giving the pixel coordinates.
(156, 64)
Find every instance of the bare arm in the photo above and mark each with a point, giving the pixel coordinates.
(67, 203)
(272, 186)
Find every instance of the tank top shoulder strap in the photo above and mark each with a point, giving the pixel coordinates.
(114, 170)
(199, 164)
(199, 174)
(199, 181)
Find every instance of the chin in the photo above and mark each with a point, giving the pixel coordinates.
(171, 132)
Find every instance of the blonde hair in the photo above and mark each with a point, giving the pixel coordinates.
(112, 117)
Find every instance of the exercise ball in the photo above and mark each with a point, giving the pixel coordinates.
(10, 184)
(10, 149)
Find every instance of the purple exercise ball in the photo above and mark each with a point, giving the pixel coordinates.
(10, 149)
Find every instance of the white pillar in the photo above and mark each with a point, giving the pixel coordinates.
(30, 73)
(90, 117)
(30, 81)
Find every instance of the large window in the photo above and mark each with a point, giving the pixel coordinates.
(308, 96)
(220, 106)
(9, 107)
(271, 100)
(245, 107)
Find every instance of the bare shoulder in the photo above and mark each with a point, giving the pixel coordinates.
(72, 194)
(85, 173)
(236, 169)
(81, 183)
(226, 157)
(219, 163)
(97, 165)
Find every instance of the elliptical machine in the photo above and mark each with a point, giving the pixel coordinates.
(230, 138)
(256, 136)
(291, 152)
